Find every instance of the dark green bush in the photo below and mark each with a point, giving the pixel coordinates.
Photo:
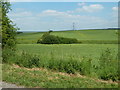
(67, 40)
(19, 32)
(51, 39)
(99, 41)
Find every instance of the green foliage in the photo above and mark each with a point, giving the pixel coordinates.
(8, 28)
(108, 65)
(7, 33)
(86, 66)
(67, 40)
(51, 39)
(27, 60)
(99, 42)
(7, 54)
(117, 32)
(68, 66)
(22, 59)
(19, 32)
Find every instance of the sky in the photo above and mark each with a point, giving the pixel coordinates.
(43, 16)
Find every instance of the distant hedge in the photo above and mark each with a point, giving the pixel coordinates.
(99, 41)
(51, 39)
(19, 32)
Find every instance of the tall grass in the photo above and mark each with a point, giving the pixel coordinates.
(108, 65)
(22, 59)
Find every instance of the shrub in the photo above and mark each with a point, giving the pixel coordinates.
(27, 60)
(19, 32)
(22, 59)
(67, 40)
(7, 54)
(51, 39)
(99, 41)
(86, 66)
(108, 66)
(68, 66)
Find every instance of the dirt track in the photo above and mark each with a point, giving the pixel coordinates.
(8, 85)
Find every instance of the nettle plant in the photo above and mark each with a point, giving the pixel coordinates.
(108, 65)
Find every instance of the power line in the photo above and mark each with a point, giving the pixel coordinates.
(73, 26)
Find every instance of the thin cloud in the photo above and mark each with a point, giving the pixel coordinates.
(20, 14)
(115, 8)
(90, 8)
(52, 13)
(59, 20)
(55, 19)
(81, 4)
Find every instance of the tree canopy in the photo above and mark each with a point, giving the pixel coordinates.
(8, 29)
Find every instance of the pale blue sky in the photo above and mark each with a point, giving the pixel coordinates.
(60, 15)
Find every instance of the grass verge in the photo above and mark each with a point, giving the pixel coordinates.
(43, 78)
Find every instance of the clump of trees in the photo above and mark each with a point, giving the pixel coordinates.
(52, 39)
(19, 32)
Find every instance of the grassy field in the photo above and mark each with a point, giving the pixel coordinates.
(64, 51)
(43, 78)
(81, 35)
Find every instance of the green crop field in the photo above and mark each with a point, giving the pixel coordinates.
(98, 35)
(64, 51)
